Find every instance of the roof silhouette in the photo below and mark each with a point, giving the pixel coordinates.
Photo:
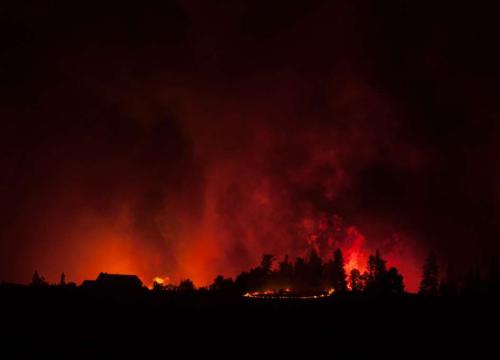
(119, 279)
(123, 281)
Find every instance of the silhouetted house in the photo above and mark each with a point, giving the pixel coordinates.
(114, 282)
(119, 280)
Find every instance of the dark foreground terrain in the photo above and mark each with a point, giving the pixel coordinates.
(72, 323)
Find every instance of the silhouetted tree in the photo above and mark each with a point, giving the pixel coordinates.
(449, 286)
(376, 275)
(242, 283)
(261, 277)
(339, 277)
(186, 285)
(380, 281)
(380, 264)
(394, 282)
(314, 271)
(356, 281)
(38, 280)
(364, 279)
(257, 278)
(371, 267)
(299, 279)
(267, 263)
(285, 273)
(62, 282)
(222, 284)
(430, 276)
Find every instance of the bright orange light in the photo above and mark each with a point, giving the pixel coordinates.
(160, 280)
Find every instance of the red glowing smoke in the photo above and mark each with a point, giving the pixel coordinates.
(192, 197)
(194, 172)
(184, 139)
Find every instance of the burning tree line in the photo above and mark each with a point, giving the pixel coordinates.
(315, 276)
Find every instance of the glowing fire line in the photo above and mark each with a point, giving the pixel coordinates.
(271, 294)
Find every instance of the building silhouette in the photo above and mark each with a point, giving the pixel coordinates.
(114, 282)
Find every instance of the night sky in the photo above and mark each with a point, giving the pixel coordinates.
(185, 139)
